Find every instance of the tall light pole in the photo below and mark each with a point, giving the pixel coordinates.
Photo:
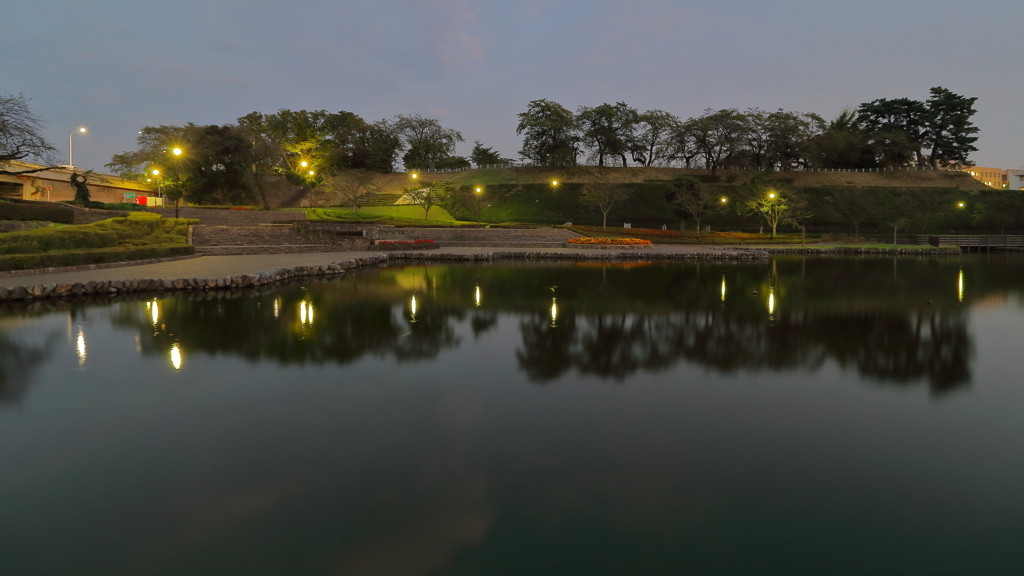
(71, 145)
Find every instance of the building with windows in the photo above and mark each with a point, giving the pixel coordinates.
(54, 185)
(994, 177)
(1015, 179)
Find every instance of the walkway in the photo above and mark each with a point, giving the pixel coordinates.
(222, 266)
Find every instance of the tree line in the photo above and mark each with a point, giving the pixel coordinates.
(882, 133)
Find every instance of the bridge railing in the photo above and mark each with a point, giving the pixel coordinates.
(974, 240)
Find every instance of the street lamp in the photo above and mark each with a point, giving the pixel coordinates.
(554, 182)
(724, 200)
(176, 151)
(960, 204)
(71, 145)
(771, 195)
(479, 189)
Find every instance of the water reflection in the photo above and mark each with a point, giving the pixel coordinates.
(176, 356)
(888, 325)
(80, 348)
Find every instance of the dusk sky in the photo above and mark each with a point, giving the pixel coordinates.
(118, 65)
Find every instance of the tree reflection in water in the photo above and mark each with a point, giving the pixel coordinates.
(890, 321)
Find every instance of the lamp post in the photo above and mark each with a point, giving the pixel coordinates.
(71, 145)
(177, 198)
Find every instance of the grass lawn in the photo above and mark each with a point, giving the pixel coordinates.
(394, 215)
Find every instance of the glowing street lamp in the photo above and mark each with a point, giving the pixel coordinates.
(71, 145)
(960, 204)
(724, 200)
(554, 182)
(479, 189)
(176, 151)
(303, 163)
(771, 195)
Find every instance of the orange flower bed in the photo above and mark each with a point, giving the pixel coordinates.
(611, 241)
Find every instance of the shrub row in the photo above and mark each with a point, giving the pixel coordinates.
(136, 230)
(96, 256)
(30, 210)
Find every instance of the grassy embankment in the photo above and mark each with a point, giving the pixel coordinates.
(140, 236)
(526, 195)
(393, 215)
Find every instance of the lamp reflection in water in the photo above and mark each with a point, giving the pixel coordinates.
(176, 356)
(960, 286)
(80, 348)
(306, 312)
(277, 308)
(154, 311)
(771, 303)
(478, 296)
(723, 288)
(412, 309)
(554, 312)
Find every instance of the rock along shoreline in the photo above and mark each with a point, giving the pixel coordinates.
(115, 287)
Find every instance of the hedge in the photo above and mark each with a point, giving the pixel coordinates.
(35, 211)
(98, 256)
(136, 230)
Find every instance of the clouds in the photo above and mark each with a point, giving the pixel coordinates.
(475, 63)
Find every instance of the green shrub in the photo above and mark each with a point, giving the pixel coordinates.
(107, 205)
(95, 256)
(141, 229)
(29, 210)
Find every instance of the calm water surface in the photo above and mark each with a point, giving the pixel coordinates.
(853, 416)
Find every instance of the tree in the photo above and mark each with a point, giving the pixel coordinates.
(681, 143)
(550, 133)
(351, 185)
(688, 196)
(765, 199)
(476, 201)
(651, 138)
(843, 144)
(376, 148)
(950, 133)
(1004, 210)
(790, 137)
(896, 129)
(855, 205)
(607, 129)
(427, 142)
(483, 155)
(20, 136)
(717, 135)
(429, 196)
(604, 196)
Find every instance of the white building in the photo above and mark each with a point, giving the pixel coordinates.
(1016, 180)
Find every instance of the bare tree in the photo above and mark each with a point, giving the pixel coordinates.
(856, 206)
(604, 196)
(690, 196)
(428, 196)
(20, 136)
(351, 185)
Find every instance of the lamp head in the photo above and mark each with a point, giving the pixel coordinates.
(177, 151)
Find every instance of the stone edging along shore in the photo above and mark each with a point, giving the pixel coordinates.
(114, 287)
(851, 251)
(34, 271)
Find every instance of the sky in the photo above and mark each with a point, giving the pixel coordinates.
(115, 66)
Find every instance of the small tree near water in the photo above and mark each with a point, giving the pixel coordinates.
(688, 196)
(604, 196)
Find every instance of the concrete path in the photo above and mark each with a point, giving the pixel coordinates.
(221, 266)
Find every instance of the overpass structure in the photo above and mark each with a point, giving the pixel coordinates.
(54, 185)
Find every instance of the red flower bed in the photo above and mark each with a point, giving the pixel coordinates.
(611, 241)
(239, 207)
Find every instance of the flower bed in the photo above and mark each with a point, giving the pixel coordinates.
(406, 244)
(610, 241)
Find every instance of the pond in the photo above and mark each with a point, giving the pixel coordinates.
(792, 416)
